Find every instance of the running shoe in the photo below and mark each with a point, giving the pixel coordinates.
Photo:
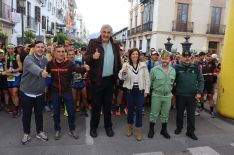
(26, 138)
(42, 136)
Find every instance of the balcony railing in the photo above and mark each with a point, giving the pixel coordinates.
(216, 29)
(31, 23)
(147, 26)
(181, 26)
(133, 31)
(138, 29)
(129, 33)
(144, 1)
(5, 11)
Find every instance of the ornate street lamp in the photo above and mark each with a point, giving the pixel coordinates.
(186, 45)
(168, 45)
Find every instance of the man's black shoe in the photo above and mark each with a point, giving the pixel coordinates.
(151, 133)
(164, 131)
(93, 133)
(165, 134)
(109, 132)
(177, 131)
(151, 130)
(192, 136)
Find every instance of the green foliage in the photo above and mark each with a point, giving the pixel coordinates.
(82, 44)
(3, 35)
(78, 44)
(60, 38)
(29, 37)
(49, 42)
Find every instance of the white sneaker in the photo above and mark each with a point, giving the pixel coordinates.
(47, 108)
(42, 136)
(197, 113)
(212, 114)
(26, 138)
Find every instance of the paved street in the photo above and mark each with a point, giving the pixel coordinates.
(216, 136)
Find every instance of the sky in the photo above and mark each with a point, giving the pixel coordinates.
(99, 12)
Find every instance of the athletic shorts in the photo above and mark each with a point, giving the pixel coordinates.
(13, 82)
(209, 87)
(79, 85)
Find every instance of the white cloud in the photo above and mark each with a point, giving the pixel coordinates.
(98, 12)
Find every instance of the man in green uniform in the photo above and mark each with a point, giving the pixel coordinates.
(162, 79)
(189, 86)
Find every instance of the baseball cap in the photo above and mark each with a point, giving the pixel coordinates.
(186, 53)
(20, 45)
(155, 52)
(142, 52)
(1, 51)
(215, 56)
(10, 46)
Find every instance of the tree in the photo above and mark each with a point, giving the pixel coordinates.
(3, 37)
(29, 37)
(60, 38)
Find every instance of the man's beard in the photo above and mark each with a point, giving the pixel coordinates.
(165, 64)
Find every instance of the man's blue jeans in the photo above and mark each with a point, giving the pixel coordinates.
(69, 103)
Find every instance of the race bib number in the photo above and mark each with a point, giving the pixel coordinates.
(10, 78)
(77, 76)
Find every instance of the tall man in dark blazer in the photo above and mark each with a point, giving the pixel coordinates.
(103, 57)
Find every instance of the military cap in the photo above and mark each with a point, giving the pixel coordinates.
(186, 53)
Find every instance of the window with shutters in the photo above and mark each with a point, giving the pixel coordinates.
(52, 26)
(148, 45)
(216, 15)
(182, 12)
(182, 23)
(43, 22)
(140, 45)
(37, 13)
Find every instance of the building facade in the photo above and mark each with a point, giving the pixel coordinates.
(6, 21)
(121, 36)
(44, 18)
(151, 22)
(81, 32)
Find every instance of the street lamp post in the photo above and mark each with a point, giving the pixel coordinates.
(22, 11)
(186, 45)
(168, 45)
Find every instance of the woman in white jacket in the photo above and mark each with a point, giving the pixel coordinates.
(137, 83)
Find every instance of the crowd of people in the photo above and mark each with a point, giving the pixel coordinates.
(41, 78)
